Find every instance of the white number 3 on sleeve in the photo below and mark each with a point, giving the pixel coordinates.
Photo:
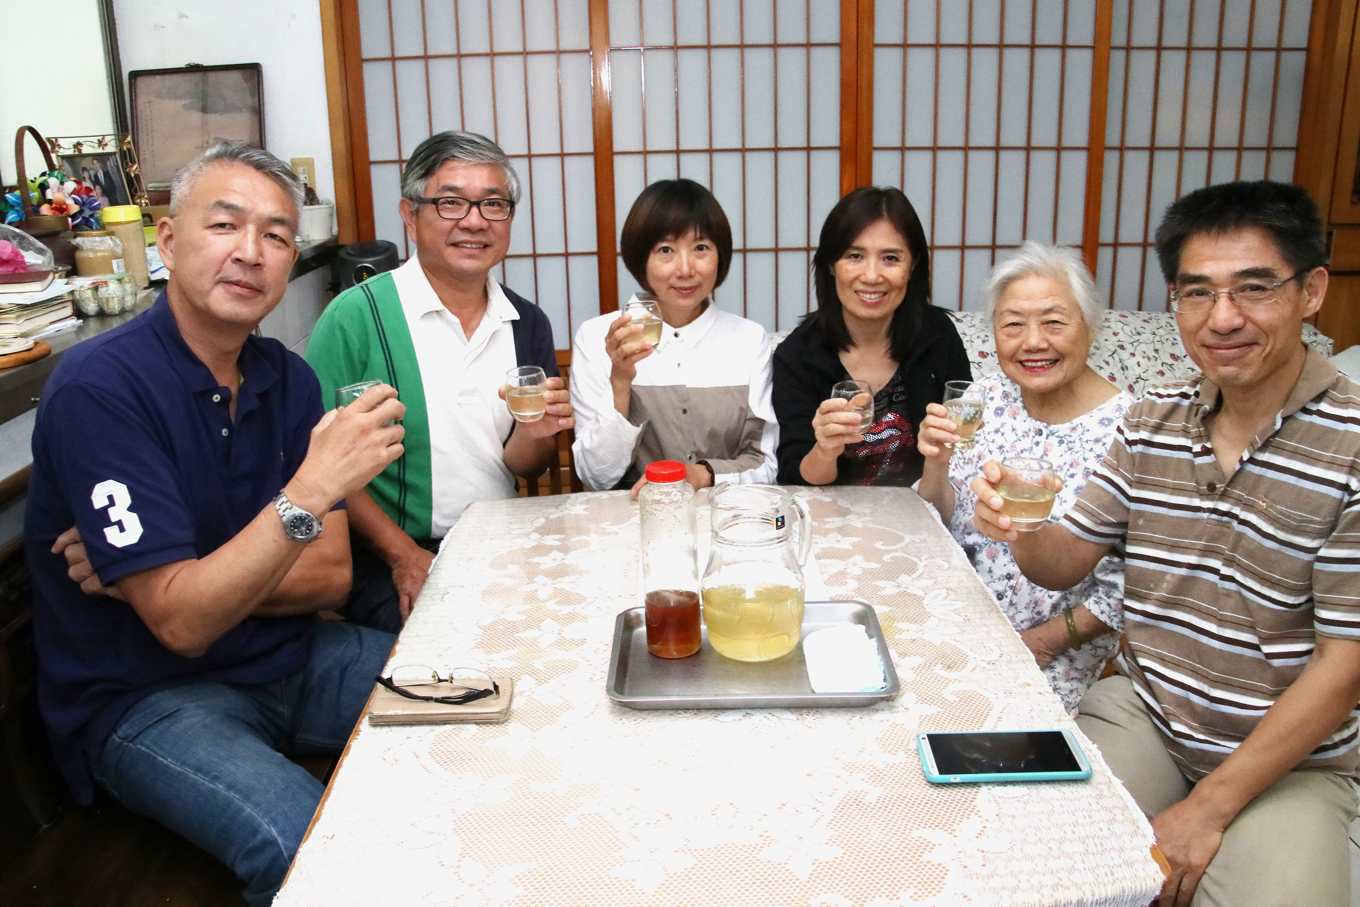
(126, 528)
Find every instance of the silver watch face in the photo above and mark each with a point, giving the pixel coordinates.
(300, 525)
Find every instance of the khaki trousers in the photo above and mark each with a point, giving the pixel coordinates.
(1290, 846)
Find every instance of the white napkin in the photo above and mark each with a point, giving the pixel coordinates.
(842, 659)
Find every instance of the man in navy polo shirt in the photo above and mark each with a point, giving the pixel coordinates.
(182, 533)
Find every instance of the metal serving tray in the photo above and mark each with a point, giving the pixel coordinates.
(707, 680)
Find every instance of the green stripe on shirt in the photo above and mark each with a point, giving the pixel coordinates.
(363, 334)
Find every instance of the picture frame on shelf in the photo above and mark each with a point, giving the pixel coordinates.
(96, 160)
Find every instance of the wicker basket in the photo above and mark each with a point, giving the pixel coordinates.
(49, 229)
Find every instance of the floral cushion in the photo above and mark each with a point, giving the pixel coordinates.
(1133, 349)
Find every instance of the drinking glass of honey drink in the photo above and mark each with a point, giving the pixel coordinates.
(1027, 491)
(965, 402)
(648, 314)
(346, 395)
(525, 388)
(861, 399)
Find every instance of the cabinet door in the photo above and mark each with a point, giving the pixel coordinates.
(1339, 318)
(1346, 181)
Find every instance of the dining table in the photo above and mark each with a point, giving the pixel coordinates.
(578, 800)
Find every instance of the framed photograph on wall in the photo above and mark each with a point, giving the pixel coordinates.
(176, 113)
(95, 160)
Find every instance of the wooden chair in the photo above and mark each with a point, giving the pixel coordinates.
(560, 476)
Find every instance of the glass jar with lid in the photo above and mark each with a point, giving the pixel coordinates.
(116, 295)
(670, 580)
(98, 252)
(125, 222)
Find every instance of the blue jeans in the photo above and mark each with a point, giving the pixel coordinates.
(373, 596)
(207, 760)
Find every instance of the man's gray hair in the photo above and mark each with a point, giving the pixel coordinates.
(467, 147)
(236, 153)
(1058, 263)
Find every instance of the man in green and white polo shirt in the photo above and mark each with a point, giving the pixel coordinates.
(443, 332)
(1235, 499)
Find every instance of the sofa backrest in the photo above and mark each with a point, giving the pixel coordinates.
(1134, 350)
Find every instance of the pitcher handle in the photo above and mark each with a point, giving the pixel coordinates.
(804, 528)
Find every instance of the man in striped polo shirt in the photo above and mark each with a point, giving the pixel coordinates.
(1235, 500)
(444, 332)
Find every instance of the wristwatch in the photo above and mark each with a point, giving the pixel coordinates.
(298, 524)
(712, 478)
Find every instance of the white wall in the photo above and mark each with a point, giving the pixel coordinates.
(292, 320)
(70, 99)
(283, 36)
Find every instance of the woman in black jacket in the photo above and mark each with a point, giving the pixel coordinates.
(873, 322)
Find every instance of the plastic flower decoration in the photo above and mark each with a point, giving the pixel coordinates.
(86, 216)
(58, 195)
(14, 207)
(12, 261)
(38, 185)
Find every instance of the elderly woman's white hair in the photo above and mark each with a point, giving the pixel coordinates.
(1058, 263)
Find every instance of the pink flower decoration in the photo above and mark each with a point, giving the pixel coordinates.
(11, 259)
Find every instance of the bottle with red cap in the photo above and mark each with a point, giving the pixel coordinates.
(670, 576)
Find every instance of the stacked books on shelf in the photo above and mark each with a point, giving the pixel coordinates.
(28, 311)
(25, 281)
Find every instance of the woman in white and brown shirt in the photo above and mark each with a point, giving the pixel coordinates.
(702, 396)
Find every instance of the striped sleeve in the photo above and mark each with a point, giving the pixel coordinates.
(1101, 512)
(1336, 577)
(1103, 591)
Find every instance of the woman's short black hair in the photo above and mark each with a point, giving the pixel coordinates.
(668, 209)
(843, 226)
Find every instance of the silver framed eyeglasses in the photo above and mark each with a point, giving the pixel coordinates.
(1247, 294)
(425, 684)
(454, 207)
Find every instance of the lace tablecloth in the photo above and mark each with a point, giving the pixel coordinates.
(578, 801)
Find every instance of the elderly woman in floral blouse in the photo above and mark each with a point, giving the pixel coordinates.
(1047, 403)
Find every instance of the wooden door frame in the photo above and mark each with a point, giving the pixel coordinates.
(1326, 164)
(1095, 135)
(1328, 64)
(857, 94)
(602, 117)
(348, 120)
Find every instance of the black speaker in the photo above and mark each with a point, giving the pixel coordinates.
(357, 263)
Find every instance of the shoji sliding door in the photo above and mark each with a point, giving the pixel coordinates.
(1069, 121)
(744, 98)
(984, 113)
(741, 96)
(981, 115)
(515, 70)
(1201, 92)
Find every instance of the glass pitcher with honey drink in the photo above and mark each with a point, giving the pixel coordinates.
(752, 589)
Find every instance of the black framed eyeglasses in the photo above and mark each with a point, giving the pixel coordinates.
(454, 207)
(409, 680)
(1248, 294)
